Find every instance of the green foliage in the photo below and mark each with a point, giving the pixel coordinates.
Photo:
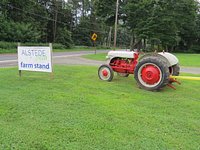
(8, 45)
(64, 37)
(171, 25)
(33, 21)
(78, 111)
(85, 29)
(123, 38)
(106, 10)
(18, 32)
(168, 21)
(195, 49)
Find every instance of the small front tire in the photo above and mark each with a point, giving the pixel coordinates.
(105, 72)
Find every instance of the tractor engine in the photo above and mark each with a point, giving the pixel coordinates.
(123, 62)
(122, 65)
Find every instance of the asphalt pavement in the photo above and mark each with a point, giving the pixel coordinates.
(74, 58)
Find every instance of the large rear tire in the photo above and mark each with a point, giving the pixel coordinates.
(151, 73)
(105, 73)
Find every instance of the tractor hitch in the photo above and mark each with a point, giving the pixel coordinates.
(173, 79)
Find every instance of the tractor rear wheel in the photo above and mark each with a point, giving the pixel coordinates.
(151, 73)
(105, 73)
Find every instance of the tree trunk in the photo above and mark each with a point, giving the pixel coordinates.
(55, 20)
(145, 43)
(132, 43)
(109, 37)
(83, 8)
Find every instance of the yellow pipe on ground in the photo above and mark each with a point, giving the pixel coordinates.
(185, 77)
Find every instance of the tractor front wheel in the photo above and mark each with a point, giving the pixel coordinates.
(151, 73)
(105, 73)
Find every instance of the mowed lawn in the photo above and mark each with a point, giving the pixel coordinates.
(76, 110)
(187, 60)
(192, 60)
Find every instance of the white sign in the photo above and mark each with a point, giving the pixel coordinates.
(34, 58)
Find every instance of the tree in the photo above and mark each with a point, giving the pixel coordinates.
(166, 22)
(64, 37)
(18, 32)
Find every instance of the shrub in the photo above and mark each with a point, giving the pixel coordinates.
(18, 32)
(64, 37)
(8, 45)
(195, 48)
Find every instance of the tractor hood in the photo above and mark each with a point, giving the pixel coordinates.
(121, 54)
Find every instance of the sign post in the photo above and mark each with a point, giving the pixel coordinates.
(20, 72)
(51, 51)
(94, 38)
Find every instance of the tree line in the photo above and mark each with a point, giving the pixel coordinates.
(172, 25)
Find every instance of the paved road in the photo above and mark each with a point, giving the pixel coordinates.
(73, 58)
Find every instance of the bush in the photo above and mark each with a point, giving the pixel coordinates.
(64, 37)
(55, 45)
(18, 32)
(195, 49)
(8, 45)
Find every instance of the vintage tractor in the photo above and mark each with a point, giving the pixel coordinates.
(151, 71)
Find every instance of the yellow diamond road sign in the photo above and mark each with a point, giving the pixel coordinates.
(94, 36)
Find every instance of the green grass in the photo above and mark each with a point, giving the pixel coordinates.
(76, 110)
(100, 56)
(189, 60)
(5, 51)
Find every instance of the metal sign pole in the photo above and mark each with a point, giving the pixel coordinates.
(94, 37)
(51, 52)
(20, 72)
(95, 50)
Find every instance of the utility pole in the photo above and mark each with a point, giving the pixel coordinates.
(116, 20)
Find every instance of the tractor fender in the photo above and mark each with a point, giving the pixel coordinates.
(169, 58)
(172, 59)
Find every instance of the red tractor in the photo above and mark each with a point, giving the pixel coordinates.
(151, 71)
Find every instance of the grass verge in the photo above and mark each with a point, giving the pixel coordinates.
(100, 56)
(191, 60)
(76, 110)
